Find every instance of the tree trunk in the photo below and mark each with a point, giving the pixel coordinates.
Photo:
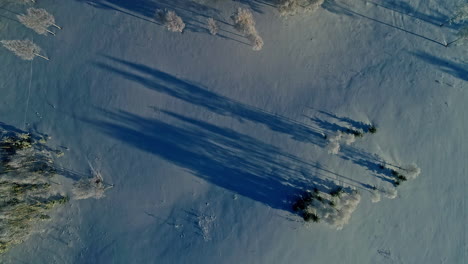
(38, 55)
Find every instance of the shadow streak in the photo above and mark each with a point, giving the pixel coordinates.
(406, 9)
(338, 8)
(192, 13)
(200, 96)
(197, 95)
(458, 70)
(221, 156)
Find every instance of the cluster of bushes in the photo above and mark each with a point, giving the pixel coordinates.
(334, 208)
(347, 136)
(400, 174)
(242, 18)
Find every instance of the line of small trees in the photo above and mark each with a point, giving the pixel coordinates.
(242, 18)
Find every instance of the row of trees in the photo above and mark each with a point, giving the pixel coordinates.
(242, 18)
(40, 21)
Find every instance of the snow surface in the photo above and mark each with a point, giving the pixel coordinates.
(206, 141)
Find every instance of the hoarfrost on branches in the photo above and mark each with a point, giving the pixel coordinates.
(244, 23)
(212, 26)
(39, 20)
(171, 20)
(25, 49)
(90, 187)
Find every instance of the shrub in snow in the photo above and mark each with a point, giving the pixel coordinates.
(333, 146)
(244, 23)
(372, 129)
(356, 133)
(212, 26)
(256, 41)
(348, 138)
(25, 49)
(292, 7)
(38, 20)
(390, 193)
(171, 20)
(408, 172)
(375, 196)
(91, 187)
(412, 171)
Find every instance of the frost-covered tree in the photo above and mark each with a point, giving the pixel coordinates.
(334, 141)
(212, 26)
(292, 7)
(39, 20)
(333, 210)
(90, 187)
(244, 23)
(174, 22)
(25, 49)
(333, 146)
(170, 19)
(461, 15)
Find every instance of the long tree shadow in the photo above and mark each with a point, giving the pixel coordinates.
(221, 156)
(195, 94)
(404, 8)
(353, 123)
(200, 96)
(458, 70)
(337, 7)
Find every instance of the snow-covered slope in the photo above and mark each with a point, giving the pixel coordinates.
(207, 142)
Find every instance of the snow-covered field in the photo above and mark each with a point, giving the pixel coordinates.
(208, 142)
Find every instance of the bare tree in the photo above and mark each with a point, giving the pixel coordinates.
(25, 49)
(244, 22)
(212, 26)
(170, 19)
(90, 187)
(38, 20)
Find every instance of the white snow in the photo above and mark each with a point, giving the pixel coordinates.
(182, 123)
